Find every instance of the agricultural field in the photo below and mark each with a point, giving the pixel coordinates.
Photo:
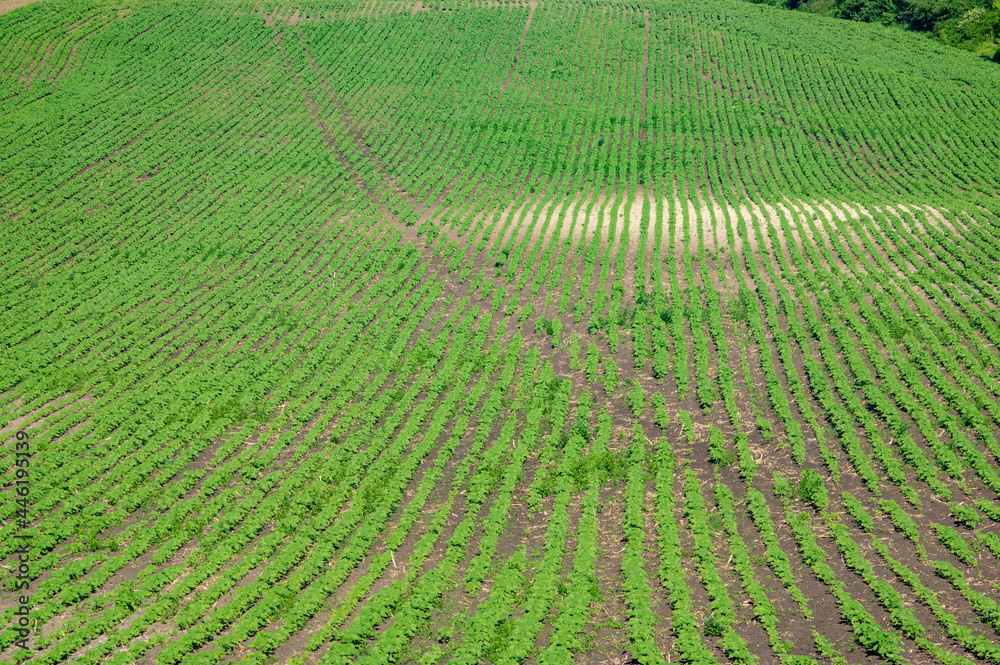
(495, 332)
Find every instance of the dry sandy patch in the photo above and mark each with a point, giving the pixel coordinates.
(11, 5)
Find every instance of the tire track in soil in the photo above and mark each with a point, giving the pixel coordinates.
(355, 133)
(457, 515)
(532, 4)
(409, 233)
(662, 633)
(645, 69)
(699, 596)
(611, 634)
(398, 570)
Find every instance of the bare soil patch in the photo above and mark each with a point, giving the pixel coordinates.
(11, 5)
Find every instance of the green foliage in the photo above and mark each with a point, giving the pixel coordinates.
(902, 521)
(826, 649)
(713, 627)
(660, 410)
(777, 558)
(968, 24)
(541, 327)
(93, 541)
(574, 351)
(604, 467)
(765, 428)
(718, 450)
(989, 508)
(260, 256)
(986, 608)
(637, 399)
(541, 324)
(502, 257)
(782, 487)
(858, 512)
(925, 15)
(611, 381)
(127, 598)
(748, 467)
(955, 543)
(593, 361)
(974, 26)
(966, 515)
(722, 613)
(813, 490)
(869, 11)
(687, 423)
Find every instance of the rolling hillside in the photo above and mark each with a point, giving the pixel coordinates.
(545, 332)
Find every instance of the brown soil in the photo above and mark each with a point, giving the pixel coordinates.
(11, 5)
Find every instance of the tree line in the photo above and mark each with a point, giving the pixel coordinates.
(973, 25)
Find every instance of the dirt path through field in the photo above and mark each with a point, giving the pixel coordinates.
(645, 68)
(533, 5)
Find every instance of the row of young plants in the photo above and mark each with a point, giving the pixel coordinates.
(427, 592)
(959, 441)
(490, 410)
(543, 591)
(641, 619)
(583, 590)
(886, 410)
(529, 265)
(379, 497)
(960, 404)
(975, 644)
(244, 462)
(74, 472)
